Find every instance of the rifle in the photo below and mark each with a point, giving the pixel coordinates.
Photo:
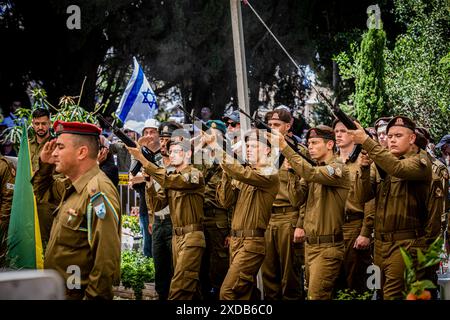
(148, 154)
(261, 125)
(205, 128)
(347, 122)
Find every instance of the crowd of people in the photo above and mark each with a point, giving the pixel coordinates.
(303, 211)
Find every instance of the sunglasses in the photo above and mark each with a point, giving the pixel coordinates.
(233, 124)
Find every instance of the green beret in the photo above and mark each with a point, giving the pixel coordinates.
(217, 124)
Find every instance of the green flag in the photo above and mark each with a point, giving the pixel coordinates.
(24, 236)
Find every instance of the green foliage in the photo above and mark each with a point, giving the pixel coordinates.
(136, 270)
(425, 260)
(370, 91)
(132, 223)
(417, 69)
(348, 294)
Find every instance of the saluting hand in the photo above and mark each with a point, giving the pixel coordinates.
(47, 152)
(358, 135)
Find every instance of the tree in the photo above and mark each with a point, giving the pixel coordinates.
(370, 93)
(417, 70)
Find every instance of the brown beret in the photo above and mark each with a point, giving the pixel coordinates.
(279, 114)
(320, 131)
(383, 121)
(88, 129)
(401, 121)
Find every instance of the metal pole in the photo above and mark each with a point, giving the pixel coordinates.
(239, 60)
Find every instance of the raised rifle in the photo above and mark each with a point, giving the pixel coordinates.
(148, 154)
(205, 128)
(261, 125)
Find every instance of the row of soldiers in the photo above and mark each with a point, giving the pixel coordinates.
(229, 219)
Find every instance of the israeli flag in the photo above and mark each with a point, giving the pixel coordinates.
(138, 102)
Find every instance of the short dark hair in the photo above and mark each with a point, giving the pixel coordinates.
(92, 142)
(40, 112)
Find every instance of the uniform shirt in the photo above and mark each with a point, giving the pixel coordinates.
(35, 151)
(354, 205)
(400, 191)
(86, 229)
(437, 203)
(253, 203)
(7, 174)
(325, 193)
(182, 191)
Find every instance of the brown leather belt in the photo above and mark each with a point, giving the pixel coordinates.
(330, 238)
(179, 231)
(399, 235)
(354, 216)
(283, 209)
(247, 233)
(211, 212)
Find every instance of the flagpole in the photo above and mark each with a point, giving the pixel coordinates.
(240, 64)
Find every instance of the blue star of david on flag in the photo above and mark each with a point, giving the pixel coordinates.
(138, 102)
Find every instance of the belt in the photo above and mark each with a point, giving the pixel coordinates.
(283, 209)
(247, 233)
(179, 231)
(162, 216)
(211, 212)
(399, 235)
(354, 216)
(330, 238)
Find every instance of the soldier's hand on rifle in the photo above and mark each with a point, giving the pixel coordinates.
(47, 152)
(358, 135)
(144, 141)
(299, 235)
(137, 154)
(364, 160)
(362, 243)
(276, 139)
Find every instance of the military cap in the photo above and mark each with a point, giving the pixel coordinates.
(421, 140)
(279, 114)
(234, 116)
(382, 122)
(217, 124)
(167, 128)
(401, 121)
(445, 140)
(321, 131)
(87, 129)
(425, 133)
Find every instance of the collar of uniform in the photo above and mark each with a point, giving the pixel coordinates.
(187, 169)
(410, 154)
(82, 181)
(33, 139)
(332, 159)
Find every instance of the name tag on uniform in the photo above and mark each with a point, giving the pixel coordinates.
(100, 210)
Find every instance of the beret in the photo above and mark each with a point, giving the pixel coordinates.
(217, 124)
(401, 121)
(88, 129)
(320, 131)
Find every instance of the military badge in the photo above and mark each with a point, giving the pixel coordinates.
(100, 210)
(330, 170)
(423, 161)
(338, 172)
(213, 125)
(275, 116)
(399, 122)
(10, 186)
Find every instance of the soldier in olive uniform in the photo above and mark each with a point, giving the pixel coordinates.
(281, 270)
(45, 205)
(216, 222)
(358, 221)
(7, 175)
(252, 190)
(324, 188)
(183, 191)
(86, 229)
(401, 196)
